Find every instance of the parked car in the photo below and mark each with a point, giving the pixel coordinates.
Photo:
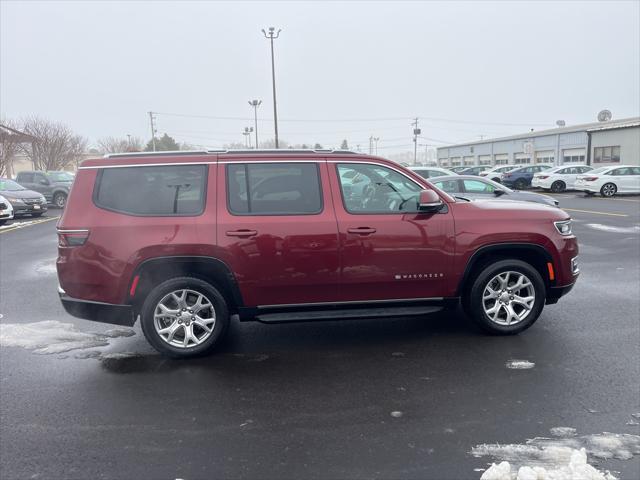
(477, 170)
(23, 201)
(496, 172)
(6, 210)
(559, 179)
(53, 185)
(431, 172)
(458, 169)
(184, 240)
(610, 180)
(520, 178)
(474, 187)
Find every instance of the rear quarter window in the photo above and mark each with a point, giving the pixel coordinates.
(172, 190)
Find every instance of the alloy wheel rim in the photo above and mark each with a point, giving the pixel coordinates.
(184, 318)
(508, 298)
(608, 190)
(60, 201)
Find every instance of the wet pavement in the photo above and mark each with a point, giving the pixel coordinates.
(358, 399)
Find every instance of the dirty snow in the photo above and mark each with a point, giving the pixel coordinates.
(50, 337)
(396, 414)
(563, 431)
(610, 228)
(557, 458)
(520, 364)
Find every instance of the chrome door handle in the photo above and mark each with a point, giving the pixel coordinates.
(242, 233)
(362, 230)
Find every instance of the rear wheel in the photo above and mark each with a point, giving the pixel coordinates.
(608, 190)
(60, 199)
(496, 179)
(2, 222)
(506, 297)
(558, 186)
(520, 184)
(184, 317)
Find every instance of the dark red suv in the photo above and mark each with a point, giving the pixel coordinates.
(184, 240)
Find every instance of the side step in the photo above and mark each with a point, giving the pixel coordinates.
(346, 314)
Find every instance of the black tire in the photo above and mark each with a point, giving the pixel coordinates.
(608, 190)
(2, 222)
(558, 186)
(60, 199)
(520, 184)
(473, 299)
(496, 179)
(194, 284)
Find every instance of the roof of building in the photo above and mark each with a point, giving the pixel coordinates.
(587, 127)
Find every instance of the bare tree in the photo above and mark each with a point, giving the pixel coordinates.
(119, 145)
(54, 147)
(10, 140)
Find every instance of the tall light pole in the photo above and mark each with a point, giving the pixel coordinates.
(247, 136)
(255, 104)
(271, 36)
(153, 130)
(375, 139)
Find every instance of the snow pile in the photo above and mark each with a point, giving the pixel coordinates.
(520, 364)
(576, 469)
(610, 228)
(557, 458)
(50, 337)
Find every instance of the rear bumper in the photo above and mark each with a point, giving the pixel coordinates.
(97, 311)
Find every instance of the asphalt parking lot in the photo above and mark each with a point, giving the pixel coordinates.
(360, 399)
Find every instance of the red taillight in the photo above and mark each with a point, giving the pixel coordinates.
(590, 179)
(542, 177)
(506, 175)
(72, 238)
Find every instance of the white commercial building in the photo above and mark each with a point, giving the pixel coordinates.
(599, 143)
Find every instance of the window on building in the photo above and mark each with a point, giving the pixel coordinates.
(275, 188)
(152, 191)
(606, 154)
(522, 160)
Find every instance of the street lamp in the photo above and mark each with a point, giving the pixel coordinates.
(271, 36)
(375, 139)
(255, 104)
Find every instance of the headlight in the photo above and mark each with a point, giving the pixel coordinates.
(564, 227)
(42, 199)
(15, 201)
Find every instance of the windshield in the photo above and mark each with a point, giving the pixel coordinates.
(10, 186)
(60, 176)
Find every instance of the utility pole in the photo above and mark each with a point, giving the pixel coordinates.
(371, 145)
(247, 136)
(375, 139)
(271, 36)
(153, 130)
(416, 132)
(255, 104)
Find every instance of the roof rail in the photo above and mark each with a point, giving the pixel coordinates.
(157, 154)
(172, 153)
(281, 151)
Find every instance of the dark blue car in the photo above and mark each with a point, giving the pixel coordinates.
(520, 177)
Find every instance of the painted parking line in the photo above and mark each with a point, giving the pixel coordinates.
(19, 225)
(633, 200)
(595, 212)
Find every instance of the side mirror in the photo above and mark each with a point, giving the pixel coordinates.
(497, 192)
(429, 201)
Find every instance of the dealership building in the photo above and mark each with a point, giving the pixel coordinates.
(601, 143)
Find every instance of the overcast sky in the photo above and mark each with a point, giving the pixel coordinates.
(343, 70)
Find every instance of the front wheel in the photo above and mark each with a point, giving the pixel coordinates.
(2, 222)
(184, 317)
(520, 185)
(60, 199)
(506, 297)
(608, 190)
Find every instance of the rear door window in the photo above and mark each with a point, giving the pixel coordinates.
(172, 190)
(25, 177)
(275, 189)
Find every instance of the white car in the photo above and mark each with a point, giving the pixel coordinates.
(496, 172)
(431, 172)
(559, 179)
(610, 180)
(6, 210)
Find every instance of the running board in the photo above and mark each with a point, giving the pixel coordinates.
(346, 314)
